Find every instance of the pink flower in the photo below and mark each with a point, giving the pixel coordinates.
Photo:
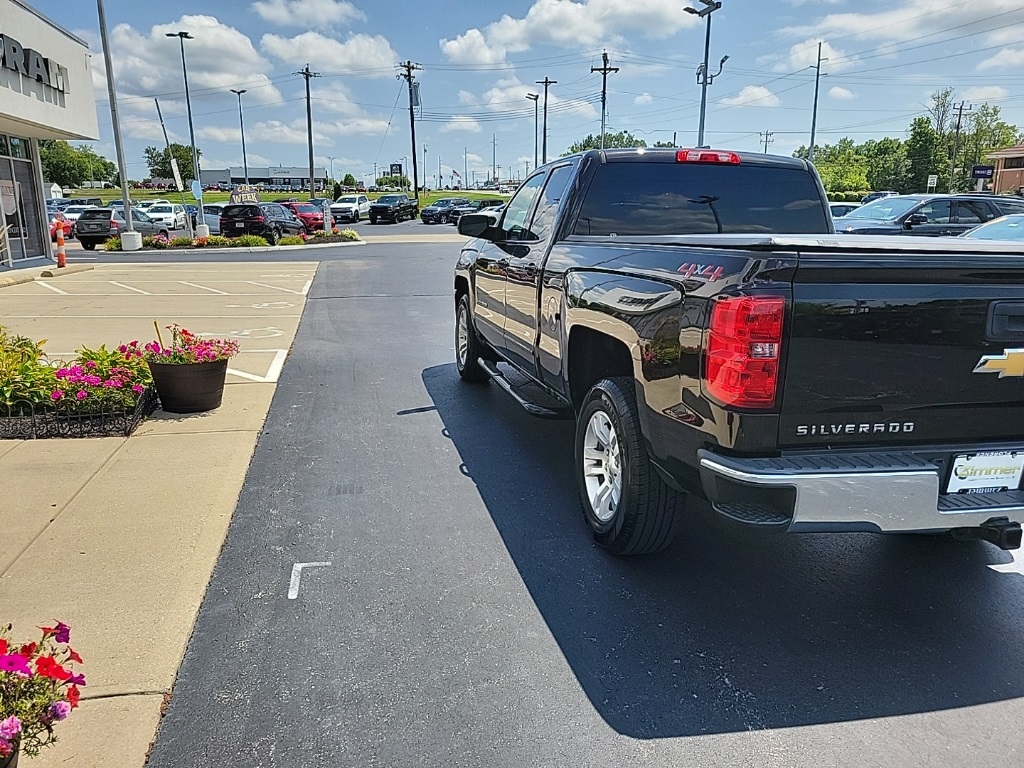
(56, 395)
(93, 380)
(15, 663)
(137, 389)
(62, 373)
(122, 349)
(59, 710)
(5, 748)
(10, 727)
(81, 394)
(90, 364)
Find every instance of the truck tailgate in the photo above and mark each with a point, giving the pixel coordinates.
(905, 347)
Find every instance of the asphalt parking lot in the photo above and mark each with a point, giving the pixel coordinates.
(452, 610)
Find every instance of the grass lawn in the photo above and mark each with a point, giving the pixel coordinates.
(141, 195)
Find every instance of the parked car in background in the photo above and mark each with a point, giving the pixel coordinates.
(841, 209)
(147, 204)
(270, 221)
(876, 195)
(350, 207)
(97, 225)
(394, 207)
(473, 206)
(59, 221)
(440, 211)
(83, 201)
(927, 215)
(311, 216)
(173, 215)
(1004, 228)
(211, 216)
(72, 212)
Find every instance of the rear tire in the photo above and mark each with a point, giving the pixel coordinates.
(629, 508)
(89, 246)
(373, 219)
(468, 347)
(164, 233)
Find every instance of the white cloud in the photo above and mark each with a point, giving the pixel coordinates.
(752, 96)
(643, 98)
(510, 93)
(369, 55)
(463, 124)
(985, 92)
(307, 13)
(1005, 59)
(135, 127)
(215, 133)
(467, 98)
(358, 126)
(841, 94)
(334, 97)
(278, 132)
(805, 54)
(568, 23)
(219, 58)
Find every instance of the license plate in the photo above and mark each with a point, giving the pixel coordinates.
(986, 472)
(239, 224)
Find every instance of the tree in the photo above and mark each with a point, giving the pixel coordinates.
(390, 181)
(926, 155)
(842, 167)
(985, 132)
(159, 161)
(664, 144)
(69, 166)
(622, 139)
(349, 181)
(887, 164)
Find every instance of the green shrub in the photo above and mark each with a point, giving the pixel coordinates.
(112, 244)
(218, 241)
(291, 240)
(248, 241)
(181, 242)
(349, 234)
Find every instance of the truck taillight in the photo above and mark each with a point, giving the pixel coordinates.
(741, 367)
(707, 156)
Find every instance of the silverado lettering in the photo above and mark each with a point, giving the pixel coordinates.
(696, 315)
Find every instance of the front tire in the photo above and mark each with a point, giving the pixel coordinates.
(274, 237)
(468, 348)
(89, 246)
(373, 219)
(629, 508)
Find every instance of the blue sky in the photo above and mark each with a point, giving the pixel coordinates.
(481, 58)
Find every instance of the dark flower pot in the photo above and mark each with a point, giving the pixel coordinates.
(189, 388)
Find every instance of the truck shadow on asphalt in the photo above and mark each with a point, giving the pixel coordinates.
(731, 629)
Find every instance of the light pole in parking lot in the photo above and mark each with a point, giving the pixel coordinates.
(241, 126)
(182, 37)
(535, 98)
(704, 76)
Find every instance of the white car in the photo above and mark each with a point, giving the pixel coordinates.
(174, 215)
(147, 204)
(351, 207)
(211, 215)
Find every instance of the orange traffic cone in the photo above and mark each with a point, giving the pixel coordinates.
(62, 259)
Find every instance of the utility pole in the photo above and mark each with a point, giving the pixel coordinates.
(375, 174)
(956, 142)
(494, 158)
(546, 82)
(766, 137)
(465, 167)
(241, 128)
(604, 70)
(440, 179)
(407, 74)
(814, 112)
(308, 75)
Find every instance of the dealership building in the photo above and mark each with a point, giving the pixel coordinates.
(282, 176)
(45, 93)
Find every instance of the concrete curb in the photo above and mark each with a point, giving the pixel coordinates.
(69, 270)
(279, 248)
(18, 278)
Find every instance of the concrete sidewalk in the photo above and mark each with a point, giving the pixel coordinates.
(118, 537)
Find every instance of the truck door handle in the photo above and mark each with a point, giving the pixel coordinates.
(1005, 321)
(531, 269)
(503, 263)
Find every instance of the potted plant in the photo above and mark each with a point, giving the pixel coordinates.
(38, 688)
(189, 374)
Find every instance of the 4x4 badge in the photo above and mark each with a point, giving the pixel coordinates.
(1010, 363)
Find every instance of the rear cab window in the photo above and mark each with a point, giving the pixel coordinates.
(240, 211)
(647, 198)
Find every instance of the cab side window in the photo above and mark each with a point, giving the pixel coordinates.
(547, 206)
(514, 222)
(936, 211)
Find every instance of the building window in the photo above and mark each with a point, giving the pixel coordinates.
(19, 148)
(3, 146)
(1013, 162)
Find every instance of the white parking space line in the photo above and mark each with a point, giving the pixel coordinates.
(139, 317)
(274, 287)
(205, 288)
(53, 288)
(129, 288)
(306, 287)
(273, 372)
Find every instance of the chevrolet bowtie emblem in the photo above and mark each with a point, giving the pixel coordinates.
(1010, 363)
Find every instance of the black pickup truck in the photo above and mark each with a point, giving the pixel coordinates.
(393, 208)
(697, 316)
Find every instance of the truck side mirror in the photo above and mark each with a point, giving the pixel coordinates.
(915, 218)
(482, 225)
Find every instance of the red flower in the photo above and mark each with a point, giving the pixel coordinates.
(47, 667)
(72, 656)
(3, 647)
(73, 695)
(28, 651)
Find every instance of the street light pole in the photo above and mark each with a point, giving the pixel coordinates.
(133, 242)
(535, 98)
(332, 165)
(241, 126)
(704, 77)
(202, 230)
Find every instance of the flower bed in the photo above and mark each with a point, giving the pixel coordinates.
(161, 243)
(99, 393)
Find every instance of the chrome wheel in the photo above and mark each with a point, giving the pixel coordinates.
(602, 466)
(462, 338)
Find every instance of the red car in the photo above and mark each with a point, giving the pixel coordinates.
(312, 218)
(58, 219)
